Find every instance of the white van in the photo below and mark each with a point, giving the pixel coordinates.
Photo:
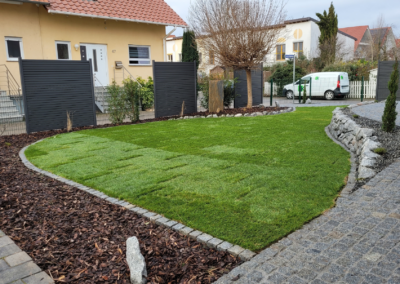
(329, 85)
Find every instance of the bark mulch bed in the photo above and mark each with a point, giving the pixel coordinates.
(78, 238)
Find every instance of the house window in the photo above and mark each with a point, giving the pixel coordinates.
(14, 48)
(280, 51)
(170, 58)
(139, 55)
(298, 48)
(63, 49)
(180, 57)
(212, 58)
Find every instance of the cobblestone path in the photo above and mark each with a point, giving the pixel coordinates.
(358, 241)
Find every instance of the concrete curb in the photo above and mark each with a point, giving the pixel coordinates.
(201, 237)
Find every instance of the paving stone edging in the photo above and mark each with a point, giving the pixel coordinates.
(360, 141)
(17, 267)
(205, 239)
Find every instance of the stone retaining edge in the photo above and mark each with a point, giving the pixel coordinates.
(352, 180)
(359, 141)
(205, 239)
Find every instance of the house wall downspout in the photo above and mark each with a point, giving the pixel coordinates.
(165, 43)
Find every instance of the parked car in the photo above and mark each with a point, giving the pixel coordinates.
(329, 85)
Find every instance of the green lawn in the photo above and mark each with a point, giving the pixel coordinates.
(248, 180)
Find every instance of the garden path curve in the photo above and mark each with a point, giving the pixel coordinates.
(375, 111)
(358, 241)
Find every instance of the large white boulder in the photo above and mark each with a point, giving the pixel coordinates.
(136, 262)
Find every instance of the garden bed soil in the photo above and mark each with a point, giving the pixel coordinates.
(78, 238)
(390, 141)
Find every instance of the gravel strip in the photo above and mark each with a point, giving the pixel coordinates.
(389, 141)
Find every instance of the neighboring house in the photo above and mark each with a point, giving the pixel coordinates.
(300, 37)
(174, 48)
(362, 46)
(131, 32)
(384, 41)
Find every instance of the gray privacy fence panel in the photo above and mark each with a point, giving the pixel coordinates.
(257, 79)
(385, 69)
(174, 83)
(51, 88)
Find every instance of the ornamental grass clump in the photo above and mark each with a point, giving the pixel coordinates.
(390, 114)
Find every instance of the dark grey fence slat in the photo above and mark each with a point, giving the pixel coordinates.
(174, 82)
(257, 81)
(385, 69)
(51, 88)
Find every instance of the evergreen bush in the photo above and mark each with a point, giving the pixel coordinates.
(116, 103)
(390, 114)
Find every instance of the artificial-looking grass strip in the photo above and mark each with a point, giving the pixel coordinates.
(249, 180)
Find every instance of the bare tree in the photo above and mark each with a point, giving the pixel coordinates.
(381, 48)
(238, 33)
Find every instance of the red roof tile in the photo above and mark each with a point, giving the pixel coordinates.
(357, 32)
(152, 11)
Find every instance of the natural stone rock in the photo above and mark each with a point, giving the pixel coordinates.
(308, 101)
(214, 115)
(259, 113)
(364, 172)
(238, 115)
(277, 104)
(208, 116)
(246, 114)
(136, 262)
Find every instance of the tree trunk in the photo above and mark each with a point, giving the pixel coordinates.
(249, 89)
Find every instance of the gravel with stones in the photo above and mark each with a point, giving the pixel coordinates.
(389, 141)
(78, 238)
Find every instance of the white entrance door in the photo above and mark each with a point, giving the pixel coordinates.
(98, 54)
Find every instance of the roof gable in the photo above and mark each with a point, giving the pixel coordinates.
(147, 11)
(357, 32)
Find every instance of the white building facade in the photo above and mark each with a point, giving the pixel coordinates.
(300, 37)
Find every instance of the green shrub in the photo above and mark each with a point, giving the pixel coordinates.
(147, 92)
(380, 151)
(356, 116)
(390, 114)
(355, 69)
(116, 103)
(132, 91)
(283, 75)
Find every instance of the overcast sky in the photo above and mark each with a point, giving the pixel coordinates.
(350, 12)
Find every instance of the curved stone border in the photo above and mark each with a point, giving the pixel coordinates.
(352, 179)
(201, 237)
(360, 141)
(289, 109)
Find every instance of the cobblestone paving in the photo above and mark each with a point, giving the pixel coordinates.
(358, 241)
(17, 266)
(375, 111)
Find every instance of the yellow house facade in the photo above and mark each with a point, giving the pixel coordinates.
(119, 45)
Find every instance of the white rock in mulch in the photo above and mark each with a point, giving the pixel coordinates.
(277, 104)
(209, 116)
(136, 262)
(214, 115)
(308, 101)
(238, 115)
(246, 114)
